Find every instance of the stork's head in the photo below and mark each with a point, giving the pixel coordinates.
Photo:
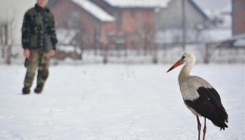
(188, 58)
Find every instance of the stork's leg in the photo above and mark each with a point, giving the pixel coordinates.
(204, 129)
(198, 127)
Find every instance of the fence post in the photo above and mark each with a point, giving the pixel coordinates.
(8, 55)
(105, 58)
(206, 53)
(155, 50)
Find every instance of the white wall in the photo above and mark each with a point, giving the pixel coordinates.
(172, 15)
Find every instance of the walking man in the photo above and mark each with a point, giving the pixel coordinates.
(39, 44)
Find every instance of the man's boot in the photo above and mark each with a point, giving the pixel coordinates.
(38, 89)
(26, 90)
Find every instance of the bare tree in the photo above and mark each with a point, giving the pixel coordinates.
(6, 38)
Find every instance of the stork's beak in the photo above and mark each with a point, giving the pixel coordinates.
(176, 65)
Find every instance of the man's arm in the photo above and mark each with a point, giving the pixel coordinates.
(25, 31)
(53, 33)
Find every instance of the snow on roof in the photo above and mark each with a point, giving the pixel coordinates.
(213, 4)
(216, 35)
(239, 40)
(220, 9)
(138, 3)
(240, 43)
(94, 10)
(238, 37)
(225, 20)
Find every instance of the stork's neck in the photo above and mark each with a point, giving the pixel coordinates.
(185, 72)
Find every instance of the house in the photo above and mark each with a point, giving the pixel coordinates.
(133, 24)
(137, 14)
(205, 21)
(177, 16)
(238, 14)
(172, 15)
(115, 24)
(83, 16)
(134, 18)
(81, 23)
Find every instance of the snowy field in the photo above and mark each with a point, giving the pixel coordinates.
(115, 102)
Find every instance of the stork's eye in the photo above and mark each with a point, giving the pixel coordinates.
(183, 57)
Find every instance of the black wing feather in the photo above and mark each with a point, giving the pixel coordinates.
(209, 106)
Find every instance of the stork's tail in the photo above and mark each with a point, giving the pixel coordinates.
(221, 122)
(223, 126)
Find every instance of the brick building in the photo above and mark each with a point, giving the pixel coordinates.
(83, 17)
(238, 8)
(106, 22)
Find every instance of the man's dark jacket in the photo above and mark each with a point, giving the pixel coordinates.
(32, 29)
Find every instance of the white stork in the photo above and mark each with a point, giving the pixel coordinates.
(199, 96)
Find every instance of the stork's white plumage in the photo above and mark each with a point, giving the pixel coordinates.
(199, 95)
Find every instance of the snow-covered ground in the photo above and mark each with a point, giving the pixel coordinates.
(115, 102)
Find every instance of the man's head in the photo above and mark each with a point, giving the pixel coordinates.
(42, 3)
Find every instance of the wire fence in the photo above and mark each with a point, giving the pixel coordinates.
(137, 54)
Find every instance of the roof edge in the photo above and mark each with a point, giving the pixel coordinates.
(198, 9)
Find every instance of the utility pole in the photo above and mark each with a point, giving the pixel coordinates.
(183, 25)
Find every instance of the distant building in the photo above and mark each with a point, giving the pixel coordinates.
(172, 15)
(205, 21)
(238, 8)
(179, 16)
(81, 24)
(135, 19)
(137, 24)
(106, 24)
(86, 20)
